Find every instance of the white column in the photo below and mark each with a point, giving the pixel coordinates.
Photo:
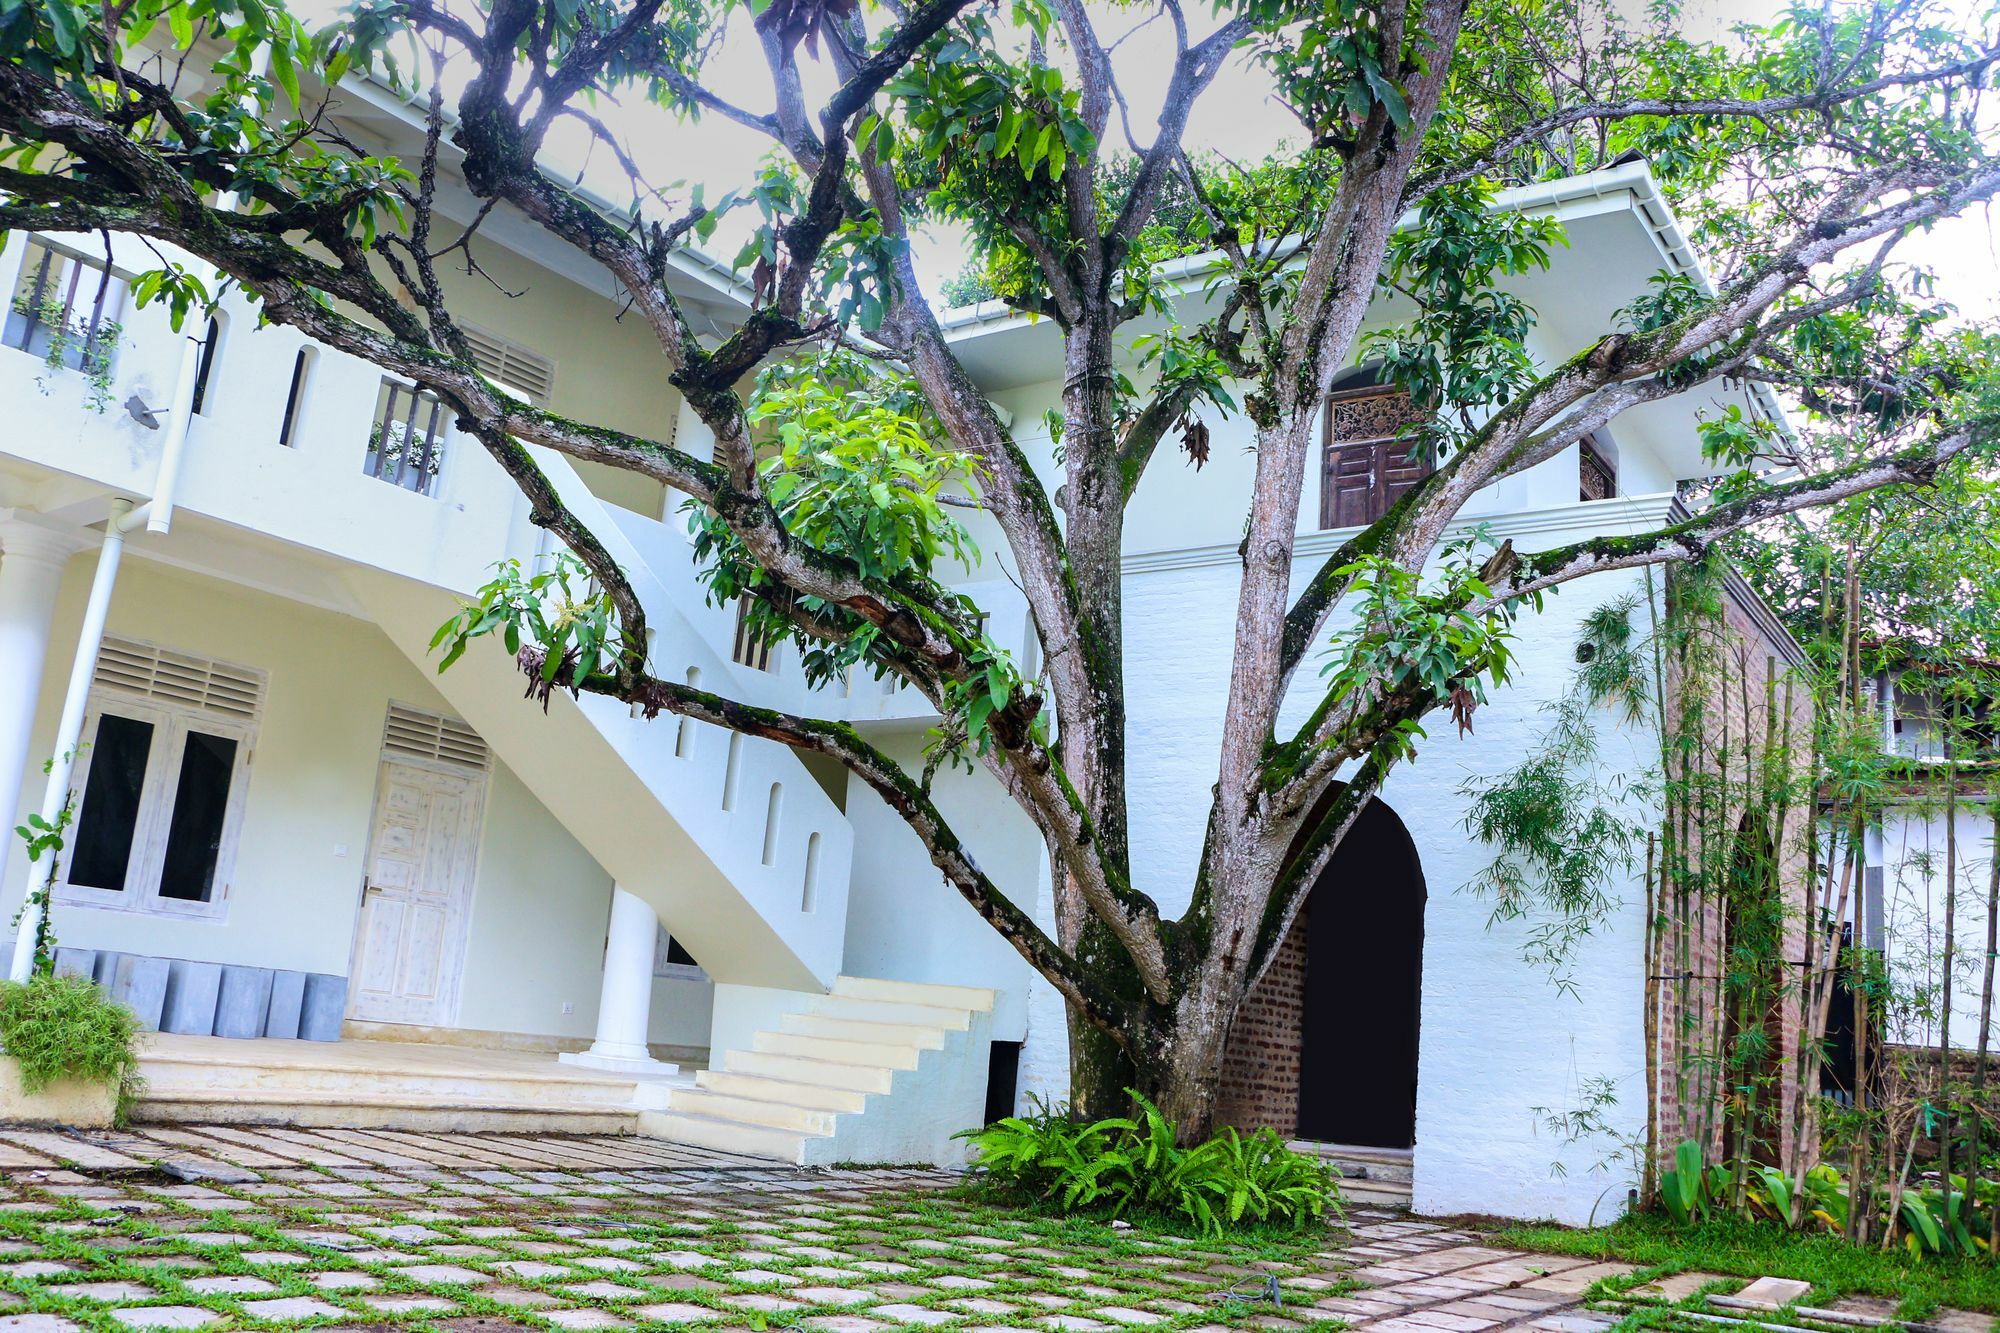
(31, 566)
(624, 1006)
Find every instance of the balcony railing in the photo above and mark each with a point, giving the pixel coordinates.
(406, 441)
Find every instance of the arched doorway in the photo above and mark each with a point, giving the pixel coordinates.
(1363, 989)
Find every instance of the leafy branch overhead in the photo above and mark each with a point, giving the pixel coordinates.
(1194, 297)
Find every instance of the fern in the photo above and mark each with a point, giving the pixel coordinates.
(1125, 1165)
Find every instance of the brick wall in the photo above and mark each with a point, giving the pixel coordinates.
(1260, 1072)
(1758, 703)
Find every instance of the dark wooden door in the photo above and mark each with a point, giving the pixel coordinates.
(1364, 979)
(1372, 455)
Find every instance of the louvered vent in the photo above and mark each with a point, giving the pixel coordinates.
(422, 735)
(511, 364)
(178, 678)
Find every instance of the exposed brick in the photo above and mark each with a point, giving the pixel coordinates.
(1260, 1071)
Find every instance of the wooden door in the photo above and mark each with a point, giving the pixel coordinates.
(410, 944)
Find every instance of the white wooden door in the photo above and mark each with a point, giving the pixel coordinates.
(410, 945)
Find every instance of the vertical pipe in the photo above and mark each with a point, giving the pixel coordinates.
(69, 732)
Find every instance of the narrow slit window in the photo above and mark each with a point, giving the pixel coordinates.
(809, 892)
(729, 770)
(204, 364)
(771, 812)
(295, 399)
(684, 725)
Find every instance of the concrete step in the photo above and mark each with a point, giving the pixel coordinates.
(364, 1111)
(207, 1078)
(725, 1135)
(1376, 1165)
(915, 992)
(923, 1036)
(751, 1111)
(1376, 1193)
(885, 1054)
(754, 1087)
(797, 1069)
(891, 1011)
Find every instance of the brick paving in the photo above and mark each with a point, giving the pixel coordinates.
(224, 1227)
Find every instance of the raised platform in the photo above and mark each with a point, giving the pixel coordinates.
(383, 1085)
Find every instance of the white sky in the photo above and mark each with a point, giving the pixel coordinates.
(1238, 117)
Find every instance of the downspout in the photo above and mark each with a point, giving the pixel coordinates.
(69, 730)
(156, 515)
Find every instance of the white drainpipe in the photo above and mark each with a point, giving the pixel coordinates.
(69, 731)
(156, 515)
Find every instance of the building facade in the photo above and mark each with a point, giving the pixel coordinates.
(279, 797)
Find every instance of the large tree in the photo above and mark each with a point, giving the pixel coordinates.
(1804, 154)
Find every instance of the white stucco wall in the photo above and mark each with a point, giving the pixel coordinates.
(905, 924)
(540, 904)
(1910, 848)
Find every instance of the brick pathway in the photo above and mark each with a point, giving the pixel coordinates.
(490, 1233)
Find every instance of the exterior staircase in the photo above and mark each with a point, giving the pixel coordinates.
(875, 1072)
(1374, 1177)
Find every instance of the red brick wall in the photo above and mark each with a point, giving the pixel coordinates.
(1260, 1072)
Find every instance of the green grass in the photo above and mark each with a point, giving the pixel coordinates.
(1756, 1249)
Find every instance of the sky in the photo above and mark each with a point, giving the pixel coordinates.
(1238, 117)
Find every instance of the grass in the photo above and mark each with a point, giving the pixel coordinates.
(1747, 1249)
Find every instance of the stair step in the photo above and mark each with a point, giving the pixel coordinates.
(915, 992)
(923, 1036)
(355, 1110)
(756, 1087)
(724, 1135)
(891, 1011)
(751, 1111)
(887, 1055)
(201, 1075)
(798, 1069)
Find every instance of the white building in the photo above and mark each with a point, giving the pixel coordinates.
(286, 809)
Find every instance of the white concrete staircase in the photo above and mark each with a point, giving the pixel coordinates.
(875, 1072)
(381, 1085)
(1376, 1177)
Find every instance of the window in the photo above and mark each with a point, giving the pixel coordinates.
(671, 960)
(295, 398)
(749, 649)
(167, 744)
(204, 366)
(65, 306)
(1596, 474)
(406, 442)
(1372, 455)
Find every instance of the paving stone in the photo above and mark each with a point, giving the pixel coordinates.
(344, 1281)
(105, 1292)
(674, 1312)
(291, 1307)
(230, 1284)
(835, 1295)
(165, 1316)
(521, 1297)
(408, 1304)
(465, 1277)
(1071, 1323)
(914, 1314)
(842, 1323)
(585, 1318)
(533, 1268)
(35, 1323)
(1772, 1292)
(1119, 1314)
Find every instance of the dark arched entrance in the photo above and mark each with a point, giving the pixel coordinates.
(1363, 987)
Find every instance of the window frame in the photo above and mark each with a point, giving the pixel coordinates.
(171, 724)
(1381, 457)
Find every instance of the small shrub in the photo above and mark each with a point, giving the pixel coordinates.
(1134, 1165)
(59, 1028)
